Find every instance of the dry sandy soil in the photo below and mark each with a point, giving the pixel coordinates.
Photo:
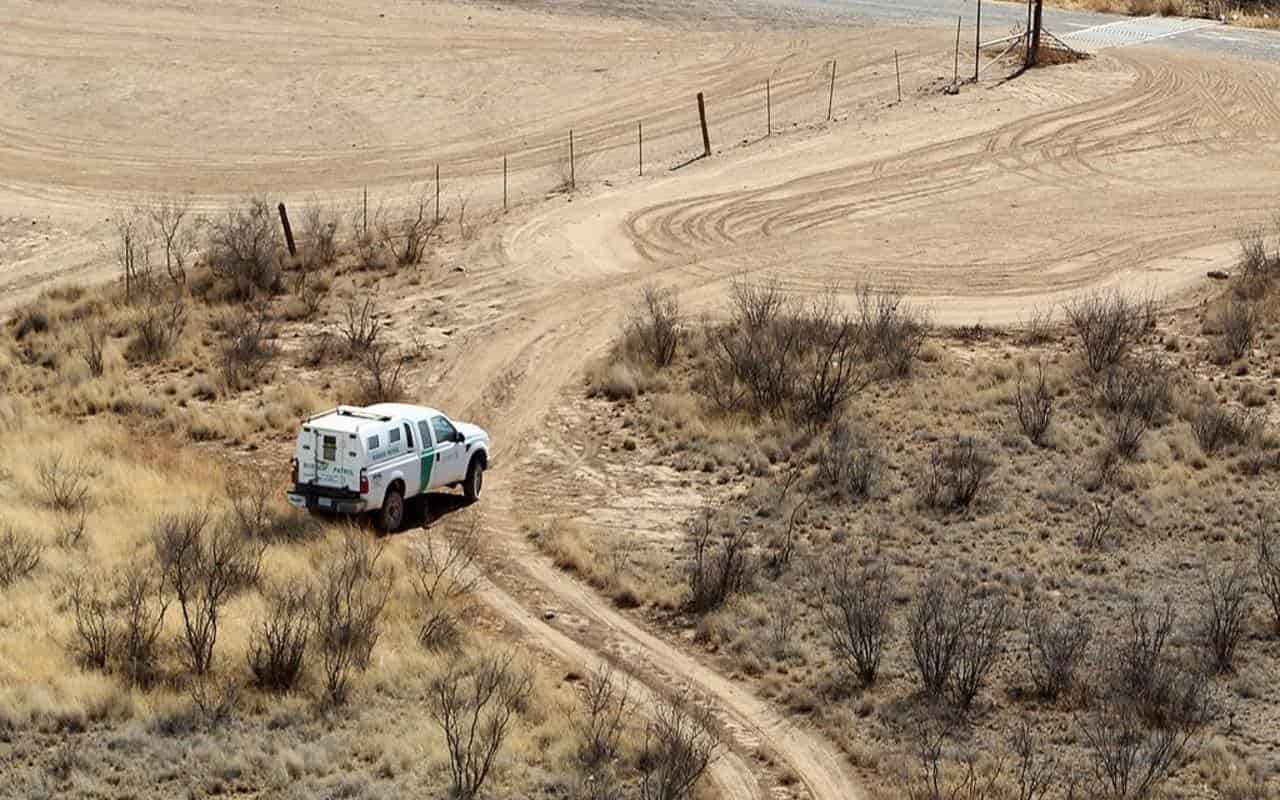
(1133, 170)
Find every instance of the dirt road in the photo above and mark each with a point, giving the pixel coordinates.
(1134, 170)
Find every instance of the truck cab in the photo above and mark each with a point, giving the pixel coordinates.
(353, 460)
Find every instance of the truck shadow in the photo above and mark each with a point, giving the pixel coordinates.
(427, 509)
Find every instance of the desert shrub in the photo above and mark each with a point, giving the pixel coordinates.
(159, 327)
(214, 698)
(1258, 266)
(680, 745)
(955, 633)
(360, 327)
(849, 461)
(1268, 565)
(1056, 647)
(1239, 323)
(943, 778)
(19, 555)
(95, 632)
(95, 337)
(1224, 610)
(278, 646)
(320, 226)
(1108, 325)
(958, 469)
(364, 240)
(1216, 426)
(132, 251)
(175, 228)
(891, 331)
(1037, 329)
(1143, 388)
(69, 533)
(1099, 519)
(350, 594)
(204, 564)
(601, 717)
(856, 602)
(140, 606)
(474, 704)
(757, 351)
(30, 320)
(722, 563)
(443, 574)
(1035, 767)
(1033, 402)
(654, 328)
(380, 379)
(1125, 759)
(405, 234)
(833, 370)
(247, 348)
(243, 249)
(1163, 691)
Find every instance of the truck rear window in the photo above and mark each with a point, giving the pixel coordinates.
(329, 448)
(373, 443)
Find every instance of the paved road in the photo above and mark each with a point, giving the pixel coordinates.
(1218, 39)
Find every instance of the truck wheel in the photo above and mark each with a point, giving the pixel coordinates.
(475, 481)
(392, 513)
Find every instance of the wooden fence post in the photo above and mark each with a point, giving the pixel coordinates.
(897, 70)
(977, 45)
(768, 108)
(702, 117)
(437, 193)
(956, 78)
(288, 231)
(573, 179)
(640, 146)
(504, 183)
(364, 226)
(831, 97)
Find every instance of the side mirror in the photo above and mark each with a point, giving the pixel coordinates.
(458, 437)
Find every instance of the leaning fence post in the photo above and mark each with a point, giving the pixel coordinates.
(437, 194)
(897, 70)
(956, 78)
(640, 146)
(702, 117)
(364, 225)
(573, 179)
(977, 45)
(504, 183)
(832, 96)
(768, 108)
(288, 231)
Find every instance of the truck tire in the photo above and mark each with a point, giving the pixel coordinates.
(474, 483)
(391, 516)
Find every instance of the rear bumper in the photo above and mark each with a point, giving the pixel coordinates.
(319, 500)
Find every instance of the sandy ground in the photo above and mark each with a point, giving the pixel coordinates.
(1133, 170)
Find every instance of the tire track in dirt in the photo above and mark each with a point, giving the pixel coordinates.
(696, 244)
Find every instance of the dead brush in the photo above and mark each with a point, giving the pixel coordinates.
(20, 554)
(1033, 401)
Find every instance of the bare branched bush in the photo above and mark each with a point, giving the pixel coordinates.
(71, 528)
(1108, 324)
(159, 327)
(1126, 759)
(758, 350)
(352, 590)
(132, 252)
(247, 349)
(175, 228)
(1138, 395)
(1099, 520)
(20, 554)
(474, 703)
(1216, 426)
(95, 338)
(364, 240)
(63, 484)
(360, 328)
(1224, 610)
(680, 745)
(1268, 565)
(250, 499)
(244, 248)
(1037, 328)
(958, 469)
(601, 717)
(942, 778)
(890, 330)
(833, 370)
(278, 646)
(95, 633)
(1163, 691)
(204, 564)
(722, 563)
(1239, 322)
(405, 234)
(1033, 401)
(380, 377)
(956, 633)
(1035, 767)
(654, 328)
(444, 573)
(320, 226)
(214, 698)
(1056, 648)
(140, 607)
(1259, 264)
(849, 461)
(856, 602)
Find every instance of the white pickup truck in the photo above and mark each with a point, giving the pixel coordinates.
(351, 460)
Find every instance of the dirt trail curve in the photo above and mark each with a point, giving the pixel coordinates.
(1193, 136)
